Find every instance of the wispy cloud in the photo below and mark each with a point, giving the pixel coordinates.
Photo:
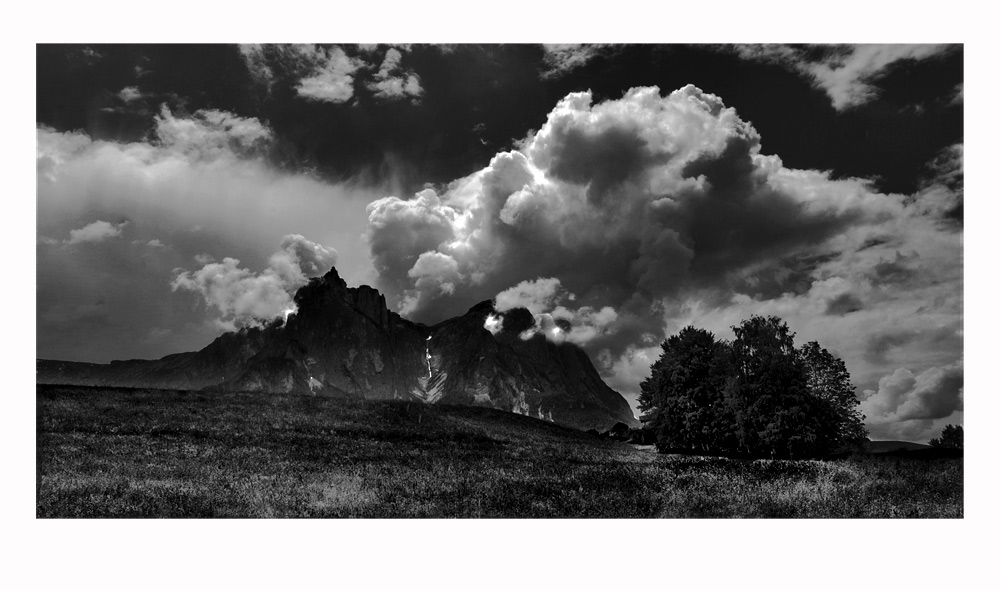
(212, 134)
(561, 58)
(844, 72)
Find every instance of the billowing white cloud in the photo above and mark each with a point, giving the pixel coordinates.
(243, 297)
(537, 296)
(639, 197)
(934, 393)
(493, 323)
(98, 231)
(544, 298)
(660, 211)
(914, 405)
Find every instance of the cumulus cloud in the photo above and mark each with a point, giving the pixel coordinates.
(545, 298)
(129, 94)
(392, 81)
(844, 72)
(243, 297)
(331, 78)
(904, 396)
(657, 212)
(624, 202)
(537, 296)
(98, 231)
(329, 74)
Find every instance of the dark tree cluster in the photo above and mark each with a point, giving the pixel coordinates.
(951, 437)
(758, 395)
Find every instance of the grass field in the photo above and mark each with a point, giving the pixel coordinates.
(148, 453)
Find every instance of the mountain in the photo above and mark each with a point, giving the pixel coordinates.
(876, 447)
(344, 342)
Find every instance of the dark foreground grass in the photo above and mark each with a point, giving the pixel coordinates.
(149, 453)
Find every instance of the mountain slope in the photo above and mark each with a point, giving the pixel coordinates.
(344, 342)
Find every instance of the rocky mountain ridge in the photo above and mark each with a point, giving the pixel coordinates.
(345, 342)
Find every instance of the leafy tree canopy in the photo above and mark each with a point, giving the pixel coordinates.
(951, 437)
(758, 395)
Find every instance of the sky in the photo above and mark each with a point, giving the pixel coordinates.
(619, 191)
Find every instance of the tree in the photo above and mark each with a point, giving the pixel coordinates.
(842, 425)
(951, 437)
(758, 395)
(775, 413)
(685, 394)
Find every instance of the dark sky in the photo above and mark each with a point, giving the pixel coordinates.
(186, 189)
(477, 99)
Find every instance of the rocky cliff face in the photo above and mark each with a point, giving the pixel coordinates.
(345, 342)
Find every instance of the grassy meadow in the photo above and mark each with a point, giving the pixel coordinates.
(109, 452)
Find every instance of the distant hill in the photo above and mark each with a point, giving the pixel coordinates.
(876, 447)
(344, 343)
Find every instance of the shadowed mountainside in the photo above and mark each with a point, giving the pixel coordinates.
(344, 342)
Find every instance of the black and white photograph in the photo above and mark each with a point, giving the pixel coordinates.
(485, 280)
(608, 287)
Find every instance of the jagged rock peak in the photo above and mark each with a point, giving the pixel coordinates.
(483, 307)
(370, 302)
(331, 289)
(333, 278)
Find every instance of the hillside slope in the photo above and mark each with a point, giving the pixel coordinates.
(105, 452)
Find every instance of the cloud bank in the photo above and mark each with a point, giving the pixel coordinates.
(200, 188)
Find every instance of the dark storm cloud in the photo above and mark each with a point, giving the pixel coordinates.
(772, 279)
(844, 304)
(877, 346)
(895, 272)
(459, 123)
